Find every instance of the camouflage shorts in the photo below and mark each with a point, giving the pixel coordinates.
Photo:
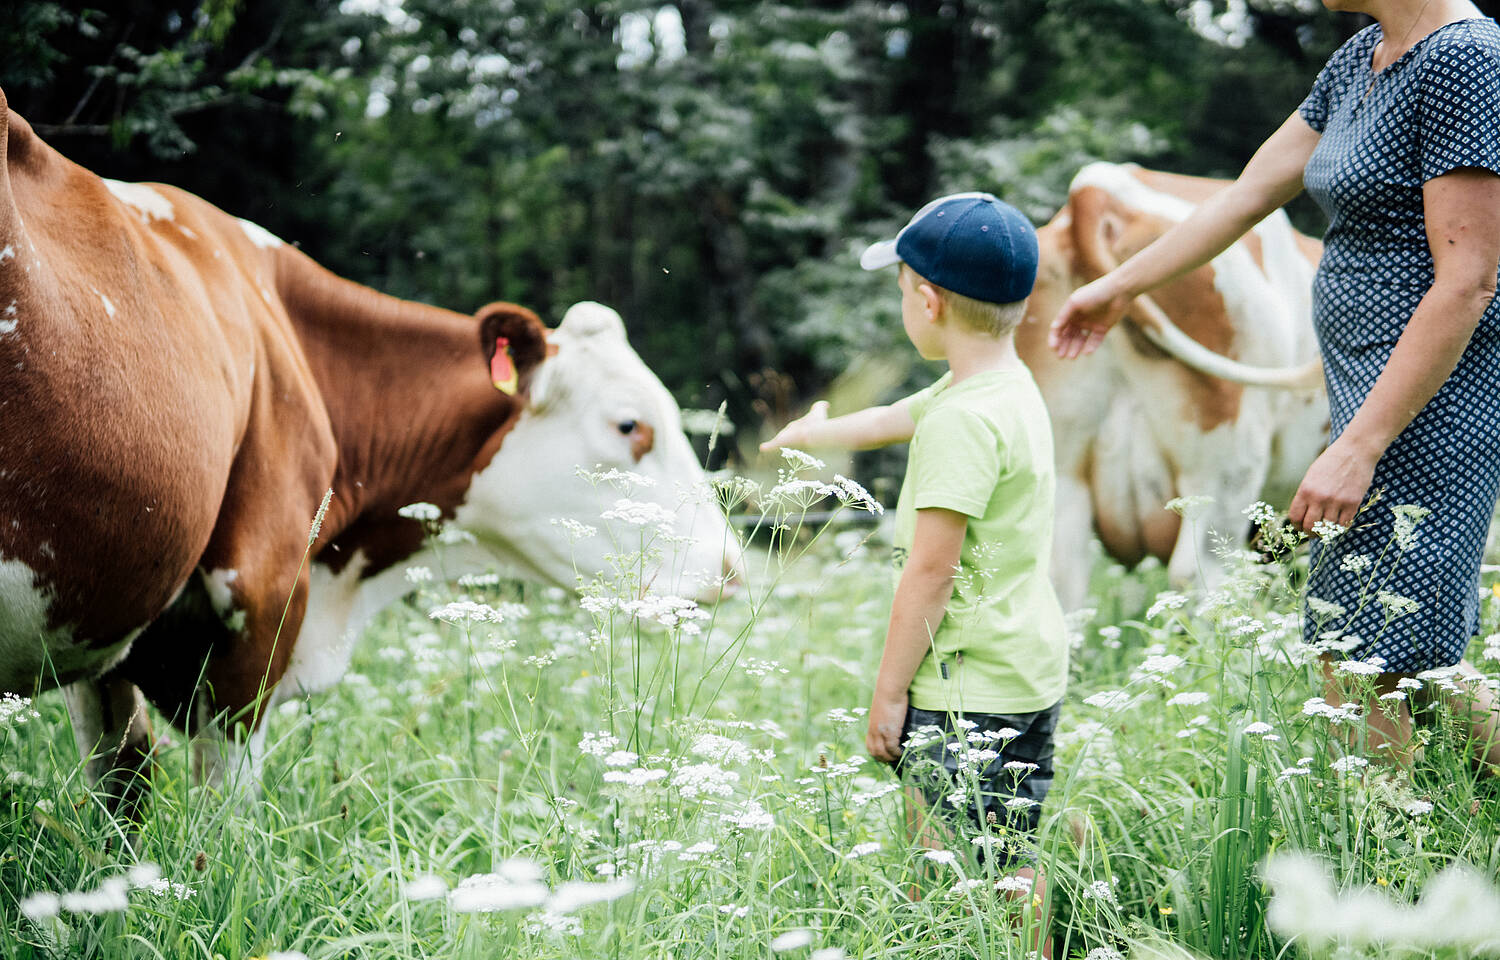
(986, 774)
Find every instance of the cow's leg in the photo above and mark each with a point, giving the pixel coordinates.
(1072, 538)
(1233, 483)
(113, 735)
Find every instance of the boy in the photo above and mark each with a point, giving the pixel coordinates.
(976, 645)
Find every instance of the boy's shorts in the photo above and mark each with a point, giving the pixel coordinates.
(986, 774)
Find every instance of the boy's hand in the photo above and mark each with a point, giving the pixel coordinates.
(794, 434)
(1086, 317)
(887, 718)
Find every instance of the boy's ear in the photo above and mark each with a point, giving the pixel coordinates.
(932, 301)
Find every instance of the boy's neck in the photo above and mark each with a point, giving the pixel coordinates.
(968, 353)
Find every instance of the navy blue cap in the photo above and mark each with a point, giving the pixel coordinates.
(971, 243)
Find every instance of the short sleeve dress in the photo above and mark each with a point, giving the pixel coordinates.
(1402, 584)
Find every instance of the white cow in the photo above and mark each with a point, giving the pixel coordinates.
(1162, 409)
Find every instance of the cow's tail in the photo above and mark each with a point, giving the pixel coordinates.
(1160, 330)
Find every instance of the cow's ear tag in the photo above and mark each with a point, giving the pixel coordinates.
(503, 368)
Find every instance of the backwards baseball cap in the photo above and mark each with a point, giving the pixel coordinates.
(971, 243)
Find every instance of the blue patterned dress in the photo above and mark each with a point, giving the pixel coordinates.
(1398, 587)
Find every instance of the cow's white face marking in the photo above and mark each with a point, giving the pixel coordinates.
(582, 401)
(146, 201)
(329, 630)
(260, 236)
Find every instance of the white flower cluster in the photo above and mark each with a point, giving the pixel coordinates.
(421, 512)
(1349, 765)
(1302, 769)
(1361, 668)
(1193, 698)
(1396, 605)
(110, 896)
(1328, 530)
(1157, 667)
(697, 779)
(641, 513)
(575, 530)
(1404, 526)
(1108, 699)
(674, 613)
(1317, 707)
(466, 611)
(1102, 890)
(1166, 600)
(749, 816)
(16, 710)
(518, 885)
(619, 479)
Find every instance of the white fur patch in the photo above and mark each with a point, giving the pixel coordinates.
(109, 307)
(9, 253)
(31, 652)
(186, 232)
(8, 319)
(259, 235)
(326, 641)
(146, 201)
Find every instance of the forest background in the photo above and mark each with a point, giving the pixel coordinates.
(711, 168)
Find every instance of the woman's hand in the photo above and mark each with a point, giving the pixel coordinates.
(887, 718)
(1334, 487)
(795, 433)
(1086, 317)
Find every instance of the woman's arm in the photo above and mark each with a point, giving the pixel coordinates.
(1462, 210)
(1271, 178)
(921, 601)
(861, 430)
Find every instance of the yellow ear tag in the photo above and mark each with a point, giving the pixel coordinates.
(503, 368)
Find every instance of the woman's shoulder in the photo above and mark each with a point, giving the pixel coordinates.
(1463, 49)
(1464, 39)
(1355, 50)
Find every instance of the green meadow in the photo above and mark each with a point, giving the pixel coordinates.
(523, 772)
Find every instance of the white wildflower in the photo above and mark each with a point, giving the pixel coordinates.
(16, 710)
(801, 461)
(1104, 953)
(575, 531)
(1361, 668)
(1396, 605)
(1324, 609)
(943, 857)
(1356, 563)
(1260, 513)
(1258, 728)
(1406, 517)
(621, 758)
(577, 894)
(751, 816)
(108, 897)
(598, 744)
(418, 574)
(829, 953)
(516, 885)
(1166, 600)
(1418, 808)
(466, 611)
(421, 512)
(1328, 530)
(1108, 699)
(1193, 698)
(425, 887)
(696, 779)
(42, 905)
(638, 777)
(641, 513)
(792, 939)
(1014, 884)
(1347, 765)
(852, 494)
(1101, 890)
(862, 850)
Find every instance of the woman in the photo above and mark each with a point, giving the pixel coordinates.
(1399, 142)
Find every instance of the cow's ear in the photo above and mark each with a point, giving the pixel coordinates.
(1097, 230)
(513, 342)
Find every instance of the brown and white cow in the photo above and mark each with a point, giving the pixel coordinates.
(178, 389)
(1162, 409)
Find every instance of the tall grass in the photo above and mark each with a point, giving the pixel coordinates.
(702, 771)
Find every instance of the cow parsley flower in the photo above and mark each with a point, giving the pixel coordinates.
(545, 921)
(575, 531)
(641, 513)
(1324, 609)
(1404, 526)
(946, 858)
(16, 710)
(1104, 953)
(638, 777)
(466, 611)
(1356, 563)
(1418, 808)
(862, 850)
(1317, 707)
(1192, 698)
(577, 894)
(1108, 699)
(625, 480)
(598, 744)
(1328, 530)
(516, 885)
(1166, 600)
(108, 897)
(421, 512)
(42, 905)
(1361, 668)
(425, 887)
(1102, 890)
(621, 758)
(1261, 514)
(696, 779)
(1014, 884)
(1396, 605)
(1348, 765)
(852, 494)
(750, 816)
(1155, 669)
(801, 461)
(791, 940)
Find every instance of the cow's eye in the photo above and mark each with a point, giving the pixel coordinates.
(626, 427)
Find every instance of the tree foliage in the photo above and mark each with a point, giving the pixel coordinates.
(710, 167)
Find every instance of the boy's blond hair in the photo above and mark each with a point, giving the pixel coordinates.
(996, 319)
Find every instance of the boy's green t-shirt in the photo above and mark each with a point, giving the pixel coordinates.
(983, 448)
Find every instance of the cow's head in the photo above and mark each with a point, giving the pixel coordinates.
(593, 405)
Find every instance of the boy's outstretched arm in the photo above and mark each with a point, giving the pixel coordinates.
(921, 600)
(861, 430)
